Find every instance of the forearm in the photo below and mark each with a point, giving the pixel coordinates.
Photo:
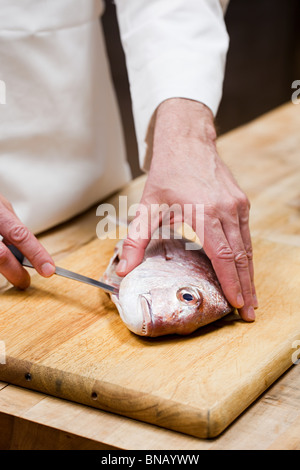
(173, 49)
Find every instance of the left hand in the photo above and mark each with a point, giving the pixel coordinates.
(186, 169)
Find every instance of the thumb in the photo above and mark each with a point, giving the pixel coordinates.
(137, 240)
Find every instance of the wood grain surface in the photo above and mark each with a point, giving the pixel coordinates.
(264, 156)
(66, 339)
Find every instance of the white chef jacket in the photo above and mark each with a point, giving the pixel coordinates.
(61, 141)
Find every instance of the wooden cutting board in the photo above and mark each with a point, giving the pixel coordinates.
(66, 339)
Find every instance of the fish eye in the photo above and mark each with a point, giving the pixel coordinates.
(189, 296)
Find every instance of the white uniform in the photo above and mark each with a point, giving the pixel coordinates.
(61, 141)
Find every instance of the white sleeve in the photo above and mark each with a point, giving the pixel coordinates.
(173, 48)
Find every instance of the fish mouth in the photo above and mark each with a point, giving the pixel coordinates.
(147, 326)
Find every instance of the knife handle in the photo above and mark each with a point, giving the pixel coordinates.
(64, 272)
(17, 253)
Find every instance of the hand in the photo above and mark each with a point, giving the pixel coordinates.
(186, 169)
(15, 233)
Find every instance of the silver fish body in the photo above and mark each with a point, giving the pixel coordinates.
(173, 291)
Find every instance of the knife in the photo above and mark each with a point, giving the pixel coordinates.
(65, 273)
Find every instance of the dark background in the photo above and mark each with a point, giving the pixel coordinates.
(262, 62)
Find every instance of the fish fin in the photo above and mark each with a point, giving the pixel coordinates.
(145, 301)
(169, 249)
(154, 248)
(110, 276)
(116, 301)
(166, 248)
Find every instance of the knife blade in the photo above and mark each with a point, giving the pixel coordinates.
(65, 273)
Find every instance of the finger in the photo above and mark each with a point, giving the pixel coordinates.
(246, 237)
(16, 233)
(12, 269)
(216, 247)
(140, 231)
(232, 232)
(134, 245)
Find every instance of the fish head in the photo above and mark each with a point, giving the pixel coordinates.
(179, 308)
(170, 310)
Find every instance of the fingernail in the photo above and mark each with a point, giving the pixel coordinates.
(48, 269)
(251, 313)
(255, 301)
(121, 268)
(240, 301)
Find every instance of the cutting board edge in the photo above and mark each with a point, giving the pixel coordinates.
(267, 376)
(146, 407)
(216, 422)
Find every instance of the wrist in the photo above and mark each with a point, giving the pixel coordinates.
(185, 118)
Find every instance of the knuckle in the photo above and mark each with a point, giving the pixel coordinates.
(241, 259)
(249, 253)
(244, 206)
(248, 249)
(247, 294)
(224, 253)
(37, 257)
(19, 234)
(130, 243)
(244, 202)
(211, 223)
(211, 211)
(231, 207)
(244, 218)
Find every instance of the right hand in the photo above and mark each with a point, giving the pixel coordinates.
(17, 234)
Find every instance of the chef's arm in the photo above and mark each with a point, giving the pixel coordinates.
(14, 232)
(175, 52)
